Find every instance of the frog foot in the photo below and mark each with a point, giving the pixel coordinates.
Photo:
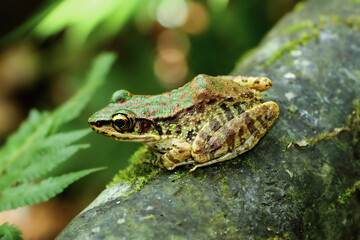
(179, 155)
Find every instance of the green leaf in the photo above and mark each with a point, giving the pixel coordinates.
(32, 133)
(32, 193)
(9, 232)
(35, 149)
(45, 163)
(81, 17)
(53, 143)
(53, 152)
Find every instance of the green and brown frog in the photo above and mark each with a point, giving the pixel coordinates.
(208, 120)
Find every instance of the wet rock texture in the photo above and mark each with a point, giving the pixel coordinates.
(284, 187)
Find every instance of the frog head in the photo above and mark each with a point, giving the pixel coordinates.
(121, 122)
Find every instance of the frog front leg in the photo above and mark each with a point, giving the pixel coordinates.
(235, 137)
(179, 155)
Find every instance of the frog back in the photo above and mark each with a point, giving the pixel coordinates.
(196, 103)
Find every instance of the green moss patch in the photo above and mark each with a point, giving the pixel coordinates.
(137, 173)
(299, 27)
(348, 193)
(304, 39)
(310, 31)
(352, 126)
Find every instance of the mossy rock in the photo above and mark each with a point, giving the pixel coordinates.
(300, 182)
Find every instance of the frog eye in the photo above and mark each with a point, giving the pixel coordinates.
(121, 122)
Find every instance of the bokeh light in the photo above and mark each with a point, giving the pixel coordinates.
(171, 13)
(197, 18)
(171, 67)
(177, 39)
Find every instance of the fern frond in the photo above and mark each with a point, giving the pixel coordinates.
(54, 142)
(64, 139)
(35, 149)
(45, 162)
(8, 231)
(32, 132)
(32, 193)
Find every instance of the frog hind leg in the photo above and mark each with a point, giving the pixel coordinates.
(257, 83)
(235, 137)
(179, 155)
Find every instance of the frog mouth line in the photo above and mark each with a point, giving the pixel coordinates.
(127, 136)
(133, 138)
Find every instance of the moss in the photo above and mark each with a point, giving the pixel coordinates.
(326, 135)
(285, 237)
(348, 193)
(336, 19)
(304, 39)
(354, 1)
(137, 173)
(151, 216)
(224, 186)
(344, 197)
(322, 21)
(353, 126)
(179, 173)
(299, 27)
(299, 6)
(293, 108)
(353, 121)
(352, 21)
(289, 172)
(289, 143)
(250, 163)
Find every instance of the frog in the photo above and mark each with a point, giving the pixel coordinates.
(206, 121)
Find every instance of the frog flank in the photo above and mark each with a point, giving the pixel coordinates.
(208, 120)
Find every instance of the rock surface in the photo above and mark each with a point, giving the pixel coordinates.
(299, 182)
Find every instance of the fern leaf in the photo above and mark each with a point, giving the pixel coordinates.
(51, 160)
(52, 153)
(64, 139)
(9, 232)
(54, 142)
(44, 163)
(32, 193)
(31, 134)
(35, 149)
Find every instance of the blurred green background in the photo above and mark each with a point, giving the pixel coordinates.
(47, 46)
